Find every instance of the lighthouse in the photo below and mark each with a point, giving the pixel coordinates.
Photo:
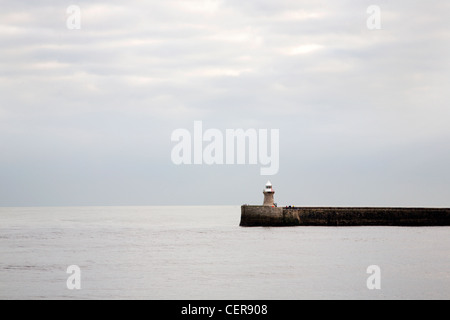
(268, 195)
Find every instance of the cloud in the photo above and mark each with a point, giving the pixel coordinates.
(303, 49)
(135, 72)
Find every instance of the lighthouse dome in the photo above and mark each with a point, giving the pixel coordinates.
(268, 187)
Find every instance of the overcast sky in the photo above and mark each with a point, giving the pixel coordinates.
(86, 116)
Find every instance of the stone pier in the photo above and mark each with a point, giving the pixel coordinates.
(253, 216)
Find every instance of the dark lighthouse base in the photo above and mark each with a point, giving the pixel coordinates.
(267, 216)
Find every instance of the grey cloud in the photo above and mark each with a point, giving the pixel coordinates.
(98, 105)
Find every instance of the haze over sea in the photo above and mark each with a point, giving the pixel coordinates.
(187, 252)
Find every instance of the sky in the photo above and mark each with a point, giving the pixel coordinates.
(87, 115)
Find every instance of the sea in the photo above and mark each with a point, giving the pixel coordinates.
(200, 252)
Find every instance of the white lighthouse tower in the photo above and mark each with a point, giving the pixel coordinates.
(268, 195)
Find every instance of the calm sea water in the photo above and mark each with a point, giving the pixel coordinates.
(202, 253)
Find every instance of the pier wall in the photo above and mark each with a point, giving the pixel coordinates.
(343, 216)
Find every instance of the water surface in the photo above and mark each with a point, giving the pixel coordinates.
(201, 253)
